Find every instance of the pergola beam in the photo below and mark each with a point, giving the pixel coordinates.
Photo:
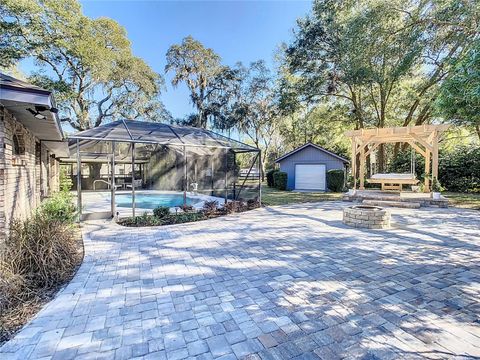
(418, 148)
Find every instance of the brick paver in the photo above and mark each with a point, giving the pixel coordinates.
(275, 283)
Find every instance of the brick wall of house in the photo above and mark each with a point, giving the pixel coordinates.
(24, 179)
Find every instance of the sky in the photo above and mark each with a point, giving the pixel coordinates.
(236, 30)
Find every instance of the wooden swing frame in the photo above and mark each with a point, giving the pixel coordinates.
(423, 139)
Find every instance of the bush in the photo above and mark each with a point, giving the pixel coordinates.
(59, 207)
(40, 254)
(280, 180)
(436, 186)
(335, 180)
(65, 180)
(11, 287)
(210, 207)
(185, 217)
(458, 169)
(270, 177)
(235, 206)
(161, 211)
(143, 220)
(170, 219)
(187, 208)
(253, 204)
(42, 249)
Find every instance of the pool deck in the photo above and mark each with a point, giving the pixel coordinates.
(99, 201)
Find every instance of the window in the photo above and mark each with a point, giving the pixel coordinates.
(18, 144)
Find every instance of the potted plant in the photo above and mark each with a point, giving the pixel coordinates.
(436, 189)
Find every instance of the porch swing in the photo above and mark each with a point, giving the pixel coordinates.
(395, 181)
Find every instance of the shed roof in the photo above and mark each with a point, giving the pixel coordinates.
(294, 151)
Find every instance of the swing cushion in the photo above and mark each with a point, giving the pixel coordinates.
(393, 176)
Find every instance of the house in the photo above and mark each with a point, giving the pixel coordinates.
(31, 140)
(307, 167)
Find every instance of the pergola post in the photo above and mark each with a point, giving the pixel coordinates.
(112, 185)
(79, 182)
(362, 167)
(184, 177)
(354, 162)
(133, 179)
(435, 156)
(427, 171)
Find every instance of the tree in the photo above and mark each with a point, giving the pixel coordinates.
(197, 67)
(459, 98)
(87, 62)
(255, 113)
(323, 125)
(383, 59)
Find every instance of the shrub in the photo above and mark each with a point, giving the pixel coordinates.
(235, 206)
(143, 220)
(230, 207)
(270, 177)
(161, 211)
(253, 204)
(280, 180)
(436, 186)
(65, 180)
(185, 217)
(210, 207)
(335, 180)
(151, 220)
(187, 208)
(11, 286)
(59, 207)
(41, 249)
(458, 169)
(40, 254)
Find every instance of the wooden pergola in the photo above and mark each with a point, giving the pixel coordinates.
(424, 139)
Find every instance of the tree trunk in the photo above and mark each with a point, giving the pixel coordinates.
(381, 124)
(94, 171)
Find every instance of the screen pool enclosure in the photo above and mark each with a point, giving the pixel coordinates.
(127, 167)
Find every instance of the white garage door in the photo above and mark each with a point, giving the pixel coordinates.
(310, 177)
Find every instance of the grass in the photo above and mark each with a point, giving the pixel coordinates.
(462, 200)
(272, 196)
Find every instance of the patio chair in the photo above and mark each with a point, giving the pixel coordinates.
(137, 183)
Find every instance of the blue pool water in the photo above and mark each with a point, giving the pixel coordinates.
(151, 201)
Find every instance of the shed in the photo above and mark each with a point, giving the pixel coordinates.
(307, 166)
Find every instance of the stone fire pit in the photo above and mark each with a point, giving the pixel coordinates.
(366, 216)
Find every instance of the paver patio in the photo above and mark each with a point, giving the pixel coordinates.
(275, 283)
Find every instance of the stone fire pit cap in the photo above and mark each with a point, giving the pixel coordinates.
(367, 207)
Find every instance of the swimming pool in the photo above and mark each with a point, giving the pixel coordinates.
(153, 200)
